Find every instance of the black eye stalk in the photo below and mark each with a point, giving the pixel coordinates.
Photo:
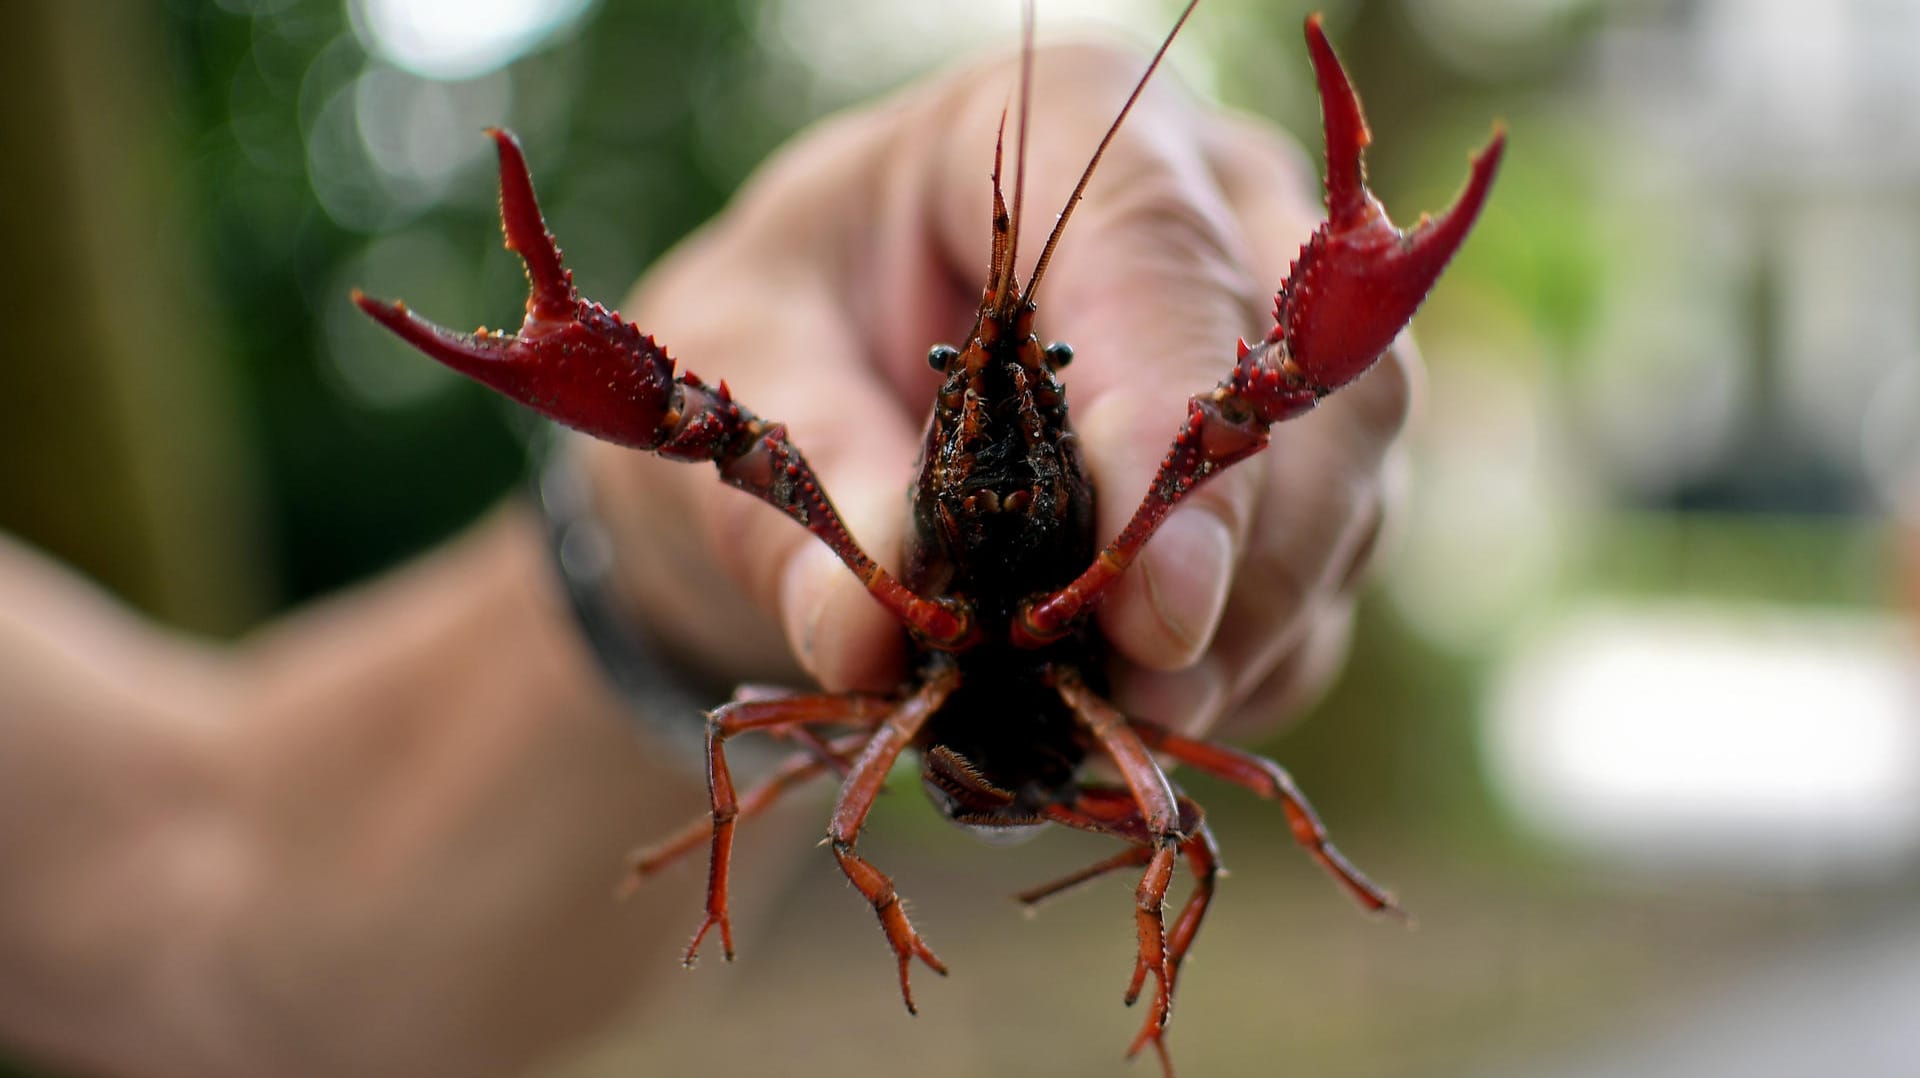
(1058, 354)
(940, 355)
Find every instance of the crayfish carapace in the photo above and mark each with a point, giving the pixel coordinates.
(1005, 701)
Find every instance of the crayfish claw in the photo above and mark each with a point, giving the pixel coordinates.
(552, 296)
(573, 360)
(1359, 279)
(478, 356)
(1434, 240)
(1347, 134)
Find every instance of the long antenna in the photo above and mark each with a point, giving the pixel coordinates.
(1020, 150)
(1079, 189)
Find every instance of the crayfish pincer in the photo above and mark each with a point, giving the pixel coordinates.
(1006, 700)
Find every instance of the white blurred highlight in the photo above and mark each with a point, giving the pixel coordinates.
(1772, 742)
(459, 39)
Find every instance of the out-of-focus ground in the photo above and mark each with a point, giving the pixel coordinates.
(1508, 972)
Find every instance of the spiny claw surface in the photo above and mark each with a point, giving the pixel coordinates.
(551, 293)
(1359, 279)
(573, 360)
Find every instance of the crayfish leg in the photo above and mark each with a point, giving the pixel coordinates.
(1269, 780)
(857, 794)
(773, 715)
(1108, 810)
(1160, 819)
(815, 759)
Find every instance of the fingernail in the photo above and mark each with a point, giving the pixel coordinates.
(1189, 566)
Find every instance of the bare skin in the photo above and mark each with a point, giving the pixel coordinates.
(378, 837)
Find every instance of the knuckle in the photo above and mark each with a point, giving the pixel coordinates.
(1291, 675)
(1250, 154)
(1285, 585)
(1100, 66)
(1165, 216)
(1309, 512)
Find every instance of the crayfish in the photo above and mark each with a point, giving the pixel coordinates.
(1005, 703)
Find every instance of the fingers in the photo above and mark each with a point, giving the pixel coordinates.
(1298, 578)
(754, 302)
(1298, 679)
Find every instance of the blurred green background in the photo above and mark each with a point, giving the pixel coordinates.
(1631, 717)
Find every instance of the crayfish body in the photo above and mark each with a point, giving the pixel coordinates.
(1006, 698)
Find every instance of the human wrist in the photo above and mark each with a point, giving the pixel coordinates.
(665, 696)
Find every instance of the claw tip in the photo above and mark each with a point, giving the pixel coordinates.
(1496, 146)
(379, 310)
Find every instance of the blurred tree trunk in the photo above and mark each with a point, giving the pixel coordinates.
(117, 419)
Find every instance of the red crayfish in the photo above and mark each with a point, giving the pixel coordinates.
(1006, 698)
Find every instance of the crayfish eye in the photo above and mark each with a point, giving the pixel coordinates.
(1058, 354)
(940, 355)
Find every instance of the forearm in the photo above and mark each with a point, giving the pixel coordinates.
(379, 838)
(107, 763)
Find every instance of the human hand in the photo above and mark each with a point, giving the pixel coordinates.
(817, 294)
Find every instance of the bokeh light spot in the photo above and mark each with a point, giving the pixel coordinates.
(459, 39)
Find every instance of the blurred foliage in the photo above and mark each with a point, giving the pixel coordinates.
(1807, 560)
(620, 121)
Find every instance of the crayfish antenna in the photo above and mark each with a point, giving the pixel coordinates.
(1008, 284)
(1359, 279)
(1086, 175)
(1000, 262)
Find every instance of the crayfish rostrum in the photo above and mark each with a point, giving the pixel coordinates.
(1005, 701)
